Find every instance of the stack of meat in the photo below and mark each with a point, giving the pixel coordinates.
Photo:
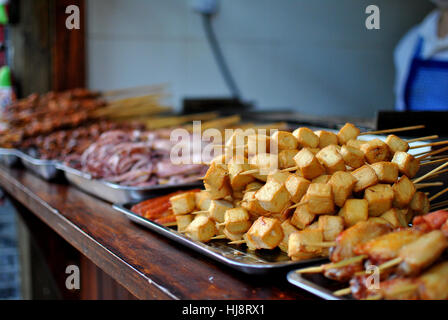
(134, 158)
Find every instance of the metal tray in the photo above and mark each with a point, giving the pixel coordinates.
(9, 157)
(237, 257)
(115, 193)
(317, 284)
(46, 169)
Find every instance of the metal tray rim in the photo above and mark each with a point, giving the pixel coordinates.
(200, 247)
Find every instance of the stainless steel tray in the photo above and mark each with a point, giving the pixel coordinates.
(237, 257)
(115, 193)
(46, 169)
(9, 157)
(317, 284)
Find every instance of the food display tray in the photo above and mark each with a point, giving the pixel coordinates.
(237, 257)
(317, 284)
(9, 157)
(116, 193)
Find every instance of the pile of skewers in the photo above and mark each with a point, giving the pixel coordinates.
(409, 262)
(324, 184)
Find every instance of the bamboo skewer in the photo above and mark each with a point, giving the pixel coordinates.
(147, 88)
(422, 138)
(393, 130)
(433, 161)
(342, 292)
(433, 144)
(298, 205)
(336, 265)
(426, 155)
(434, 175)
(428, 184)
(438, 194)
(219, 237)
(290, 169)
(439, 205)
(170, 224)
(431, 172)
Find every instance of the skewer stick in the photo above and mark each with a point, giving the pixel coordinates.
(422, 138)
(393, 130)
(342, 292)
(336, 265)
(374, 297)
(439, 204)
(219, 237)
(429, 184)
(290, 169)
(199, 212)
(170, 224)
(433, 161)
(390, 264)
(298, 205)
(249, 172)
(438, 194)
(237, 242)
(328, 244)
(432, 144)
(426, 155)
(430, 173)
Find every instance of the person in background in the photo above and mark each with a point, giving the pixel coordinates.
(421, 61)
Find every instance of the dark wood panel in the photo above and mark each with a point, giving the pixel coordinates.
(148, 265)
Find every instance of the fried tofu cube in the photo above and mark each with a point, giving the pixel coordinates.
(380, 198)
(306, 138)
(352, 157)
(353, 211)
(407, 164)
(342, 184)
(233, 236)
(183, 203)
(302, 242)
(218, 209)
(387, 172)
(326, 138)
(395, 217)
(253, 186)
(251, 204)
(237, 180)
(183, 221)
(355, 143)
(404, 191)
(297, 187)
(320, 198)
(331, 159)
(286, 158)
(287, 229)
(375, 151)
(278, 176)
(347, 132)
(365, 177)
(202, 199)
(419, 203)
(265, 162)
(201, 229)
(396, 144)
(237, 220)
(322, 179)
(273, 196)
(216, 182)
(331, 226)
(258, 143)
(302, 217)
(265, 233)
(308, 164)
(313, 226)
(285, 140)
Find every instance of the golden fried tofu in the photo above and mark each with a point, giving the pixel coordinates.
(285, 140)
(419, 204)
(273, 196)
(202, 229)
(202, 199)
(286, 158)
(183, 203)
(218, 209)
(375, 151)
(308, 164)
(354, 211)
(302, 217)
(278, 176)
(404, 191)
(407, 164)
(265, 162)
(251, 204)
(352, 157)
(342, 184)
(216, 182)
(306, 138)
(253, 186)
(302, 241)
(331, 226)
(380, 198)
(365, 177)
(239, 181)
(396, 217)
(287, 229)
(296, 186)
(183, 221)
(320, 198)
(347, 132)
(331, 159)
(322, 179)
(326, 138)
(258, 143)
(396, 144)
(265, 233)
(355, 143)
(233, 236)
(387, 172)
(237, 220)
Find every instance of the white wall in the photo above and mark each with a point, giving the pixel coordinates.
(314, 56)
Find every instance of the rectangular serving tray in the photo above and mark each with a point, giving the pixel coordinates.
(237, 257)
(116, 193)
(317, 284)
(9, 157)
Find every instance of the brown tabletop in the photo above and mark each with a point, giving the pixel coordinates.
(146, 264)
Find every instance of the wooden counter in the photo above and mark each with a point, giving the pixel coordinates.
(146, 264)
